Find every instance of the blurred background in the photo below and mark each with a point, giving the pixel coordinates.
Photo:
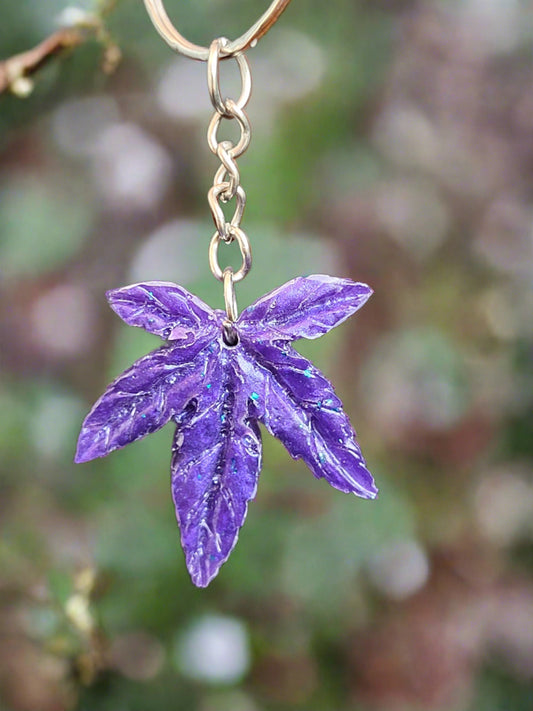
(393, 144)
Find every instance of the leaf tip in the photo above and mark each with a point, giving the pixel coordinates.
(112, 295)
(202, 573)
(82, 454)
(370, 493)
(361, 290)
(87, 448)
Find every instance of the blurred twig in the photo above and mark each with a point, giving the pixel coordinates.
(16, 71)
(106, 7)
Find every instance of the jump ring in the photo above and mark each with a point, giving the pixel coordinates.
(246, 253)
(246, 131)
(213, 78)
(230, 299)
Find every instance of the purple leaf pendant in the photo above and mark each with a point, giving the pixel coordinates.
(217, 395)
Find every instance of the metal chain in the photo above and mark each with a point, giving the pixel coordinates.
(227, 182)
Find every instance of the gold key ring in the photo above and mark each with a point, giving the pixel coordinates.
(174, 39)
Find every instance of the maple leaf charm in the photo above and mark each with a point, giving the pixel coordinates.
(217, 394)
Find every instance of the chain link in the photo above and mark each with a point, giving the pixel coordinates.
(227, 181)
(216, 192)
(213, 78)
(233, 112)
(246, 254)
(228, 171)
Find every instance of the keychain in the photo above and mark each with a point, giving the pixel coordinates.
(219, 374)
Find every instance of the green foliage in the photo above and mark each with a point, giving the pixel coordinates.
(29, 213)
